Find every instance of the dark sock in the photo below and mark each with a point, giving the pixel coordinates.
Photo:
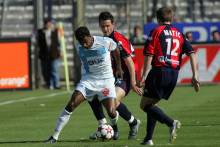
(97, 109)
(124, 112)
(134, 122)
(159, 115)
(151, 123)
(115, 128)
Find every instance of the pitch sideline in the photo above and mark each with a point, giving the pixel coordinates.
(32, 98)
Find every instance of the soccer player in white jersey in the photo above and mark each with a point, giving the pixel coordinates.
(97, 78)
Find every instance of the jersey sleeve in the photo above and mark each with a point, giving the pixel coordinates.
(124, 45)
(149, 47)
(187, 48)
(111, 45)
(124, 53)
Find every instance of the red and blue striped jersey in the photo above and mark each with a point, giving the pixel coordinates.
(167, 45)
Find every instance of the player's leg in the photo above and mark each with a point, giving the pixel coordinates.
(151, 122)
(109, 104)
(97, 109)
(156, 113)
(159, 84)
(122, 89)
(76, 98)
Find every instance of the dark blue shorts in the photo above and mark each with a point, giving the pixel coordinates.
(123, 84)
(160, 83)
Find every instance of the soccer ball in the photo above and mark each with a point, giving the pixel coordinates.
(105, 132)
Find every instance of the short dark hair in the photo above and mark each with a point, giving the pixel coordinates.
(188, 33)
(106, 16)
(215, 31)
(46, 20)
(165, 14)
(81, 32)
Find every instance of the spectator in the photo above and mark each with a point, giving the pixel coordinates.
(189, 36)
(49, 54)
(137, 36)
(216, 36)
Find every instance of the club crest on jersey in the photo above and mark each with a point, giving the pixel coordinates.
(105, 91)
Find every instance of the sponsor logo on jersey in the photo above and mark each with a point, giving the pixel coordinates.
(95, 61)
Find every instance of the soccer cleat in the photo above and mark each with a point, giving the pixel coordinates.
(51, 140)
(93, 136)
(116, 135)
(173, 130)
(134, 130)
(147, 142)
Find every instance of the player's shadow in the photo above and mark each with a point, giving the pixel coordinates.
(44, 141)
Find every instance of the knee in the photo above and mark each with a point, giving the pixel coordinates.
(112, 112)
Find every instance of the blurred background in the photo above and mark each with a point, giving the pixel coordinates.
(134, 18)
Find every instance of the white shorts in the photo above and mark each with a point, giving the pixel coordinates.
(91, 87)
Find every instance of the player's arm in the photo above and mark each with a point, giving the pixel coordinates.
(187, 48)
(116, 56)
(112, 46)
(195, 80)
(130, 64)
(148, 55)
(147, 66)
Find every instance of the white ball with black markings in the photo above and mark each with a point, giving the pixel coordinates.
(105, 132)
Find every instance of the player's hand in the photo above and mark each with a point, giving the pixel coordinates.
(140, 84)
(196, 84)
(137, 89)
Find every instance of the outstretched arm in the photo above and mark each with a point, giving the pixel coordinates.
(130, 64)
(195, 80)
(116, 56)
(147, 66)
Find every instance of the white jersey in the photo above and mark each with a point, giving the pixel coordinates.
(96, 61)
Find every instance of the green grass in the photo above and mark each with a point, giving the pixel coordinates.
(26, 122)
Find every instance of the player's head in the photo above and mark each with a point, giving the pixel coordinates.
(164, 15)
(84, 37)
(48, 23)
(216, 35)
(106, 23)
(189, 36)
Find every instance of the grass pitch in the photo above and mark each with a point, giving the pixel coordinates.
(27, 118)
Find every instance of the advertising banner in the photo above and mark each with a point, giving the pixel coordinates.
(201, 31)
(15, 72)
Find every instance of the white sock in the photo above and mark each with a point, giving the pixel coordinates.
(113, 121)
(102, 121)
(131, 119)
(61, 122)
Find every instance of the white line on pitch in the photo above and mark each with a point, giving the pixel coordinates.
(32, 98)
